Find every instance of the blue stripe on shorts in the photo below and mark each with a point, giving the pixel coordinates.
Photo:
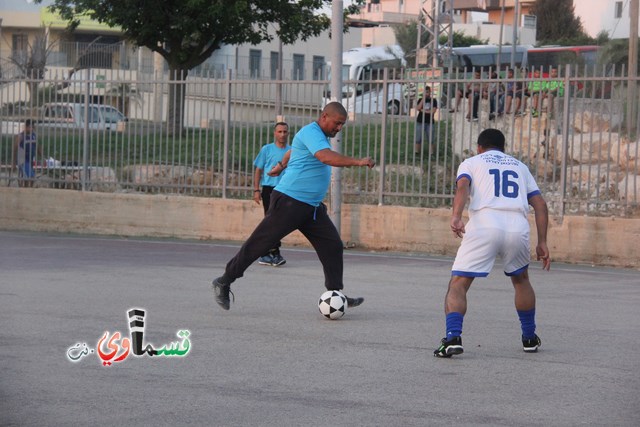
(518, 271)
(468, 274)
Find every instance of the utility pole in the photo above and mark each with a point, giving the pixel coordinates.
(436, 19)
(514, 42)
(336, 95)
(632, 109)
(279, 114)
(499, 56)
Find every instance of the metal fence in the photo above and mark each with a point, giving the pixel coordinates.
(581, 147)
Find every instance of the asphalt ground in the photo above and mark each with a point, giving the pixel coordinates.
(272, 360)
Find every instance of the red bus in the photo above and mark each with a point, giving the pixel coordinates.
(558, 56)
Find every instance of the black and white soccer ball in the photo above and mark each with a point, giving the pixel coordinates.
(332, 304)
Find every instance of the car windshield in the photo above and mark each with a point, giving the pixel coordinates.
(111, 115)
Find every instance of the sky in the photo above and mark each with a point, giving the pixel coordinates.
(591, 15)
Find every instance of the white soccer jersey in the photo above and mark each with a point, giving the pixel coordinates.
(500, 190)
(498, 181)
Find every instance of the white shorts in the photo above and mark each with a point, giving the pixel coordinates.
(489, 234)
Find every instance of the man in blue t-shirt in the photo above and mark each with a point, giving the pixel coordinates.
(296, 204)
(269, 157)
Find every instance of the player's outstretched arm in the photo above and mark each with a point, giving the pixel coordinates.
(541, 213)
(332, 158)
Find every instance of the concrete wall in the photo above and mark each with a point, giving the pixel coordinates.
(590, 240)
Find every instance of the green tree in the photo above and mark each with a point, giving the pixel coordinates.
(407, 36)
(615, 53)
(187, 32)
(602, 38)
(460, 39)
(557, 23)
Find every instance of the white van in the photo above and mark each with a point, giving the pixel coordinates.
(72, 115)
(365, 66)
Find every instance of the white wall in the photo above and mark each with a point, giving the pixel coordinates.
(492, 32)
(600, 15)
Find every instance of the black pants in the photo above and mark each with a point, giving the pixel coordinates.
(284, 216)
(266, 201)
(475, 103)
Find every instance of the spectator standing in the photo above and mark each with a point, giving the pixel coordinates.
(427, 107)
(25, 151)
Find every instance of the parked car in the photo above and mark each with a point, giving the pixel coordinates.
(72, 115)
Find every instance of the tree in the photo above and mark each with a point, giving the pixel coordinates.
(615, 53)
(32, 63)
(460, 39)
(407, 36)
(187, 32)
(602, 38)
(557, 23)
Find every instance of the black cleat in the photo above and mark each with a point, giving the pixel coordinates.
(531, 345)
(221, 291)
(449, 347)
(354, 302)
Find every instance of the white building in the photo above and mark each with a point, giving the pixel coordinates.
(611, 16)
(378, 16)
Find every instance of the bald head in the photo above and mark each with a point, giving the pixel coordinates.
(334, 108)
(332, 118)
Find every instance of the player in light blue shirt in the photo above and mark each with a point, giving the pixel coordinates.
(307, 178)
(296, 204)
(269, 157)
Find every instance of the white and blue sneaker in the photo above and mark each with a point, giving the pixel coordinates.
(277, 260)
(266, 260)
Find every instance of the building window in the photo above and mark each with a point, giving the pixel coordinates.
(318, 67)
(618, 11)
(19, 43)
(255, 59)
(275, 63)
(298, 67)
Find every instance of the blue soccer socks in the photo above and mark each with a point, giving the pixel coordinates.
(454, 324)
(528, 323)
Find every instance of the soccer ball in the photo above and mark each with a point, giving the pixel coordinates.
(332, 304)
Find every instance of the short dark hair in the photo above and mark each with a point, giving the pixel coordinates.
(334, 108)
(491, 138)
(28, 122)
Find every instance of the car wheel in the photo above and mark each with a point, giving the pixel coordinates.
(393, 108)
